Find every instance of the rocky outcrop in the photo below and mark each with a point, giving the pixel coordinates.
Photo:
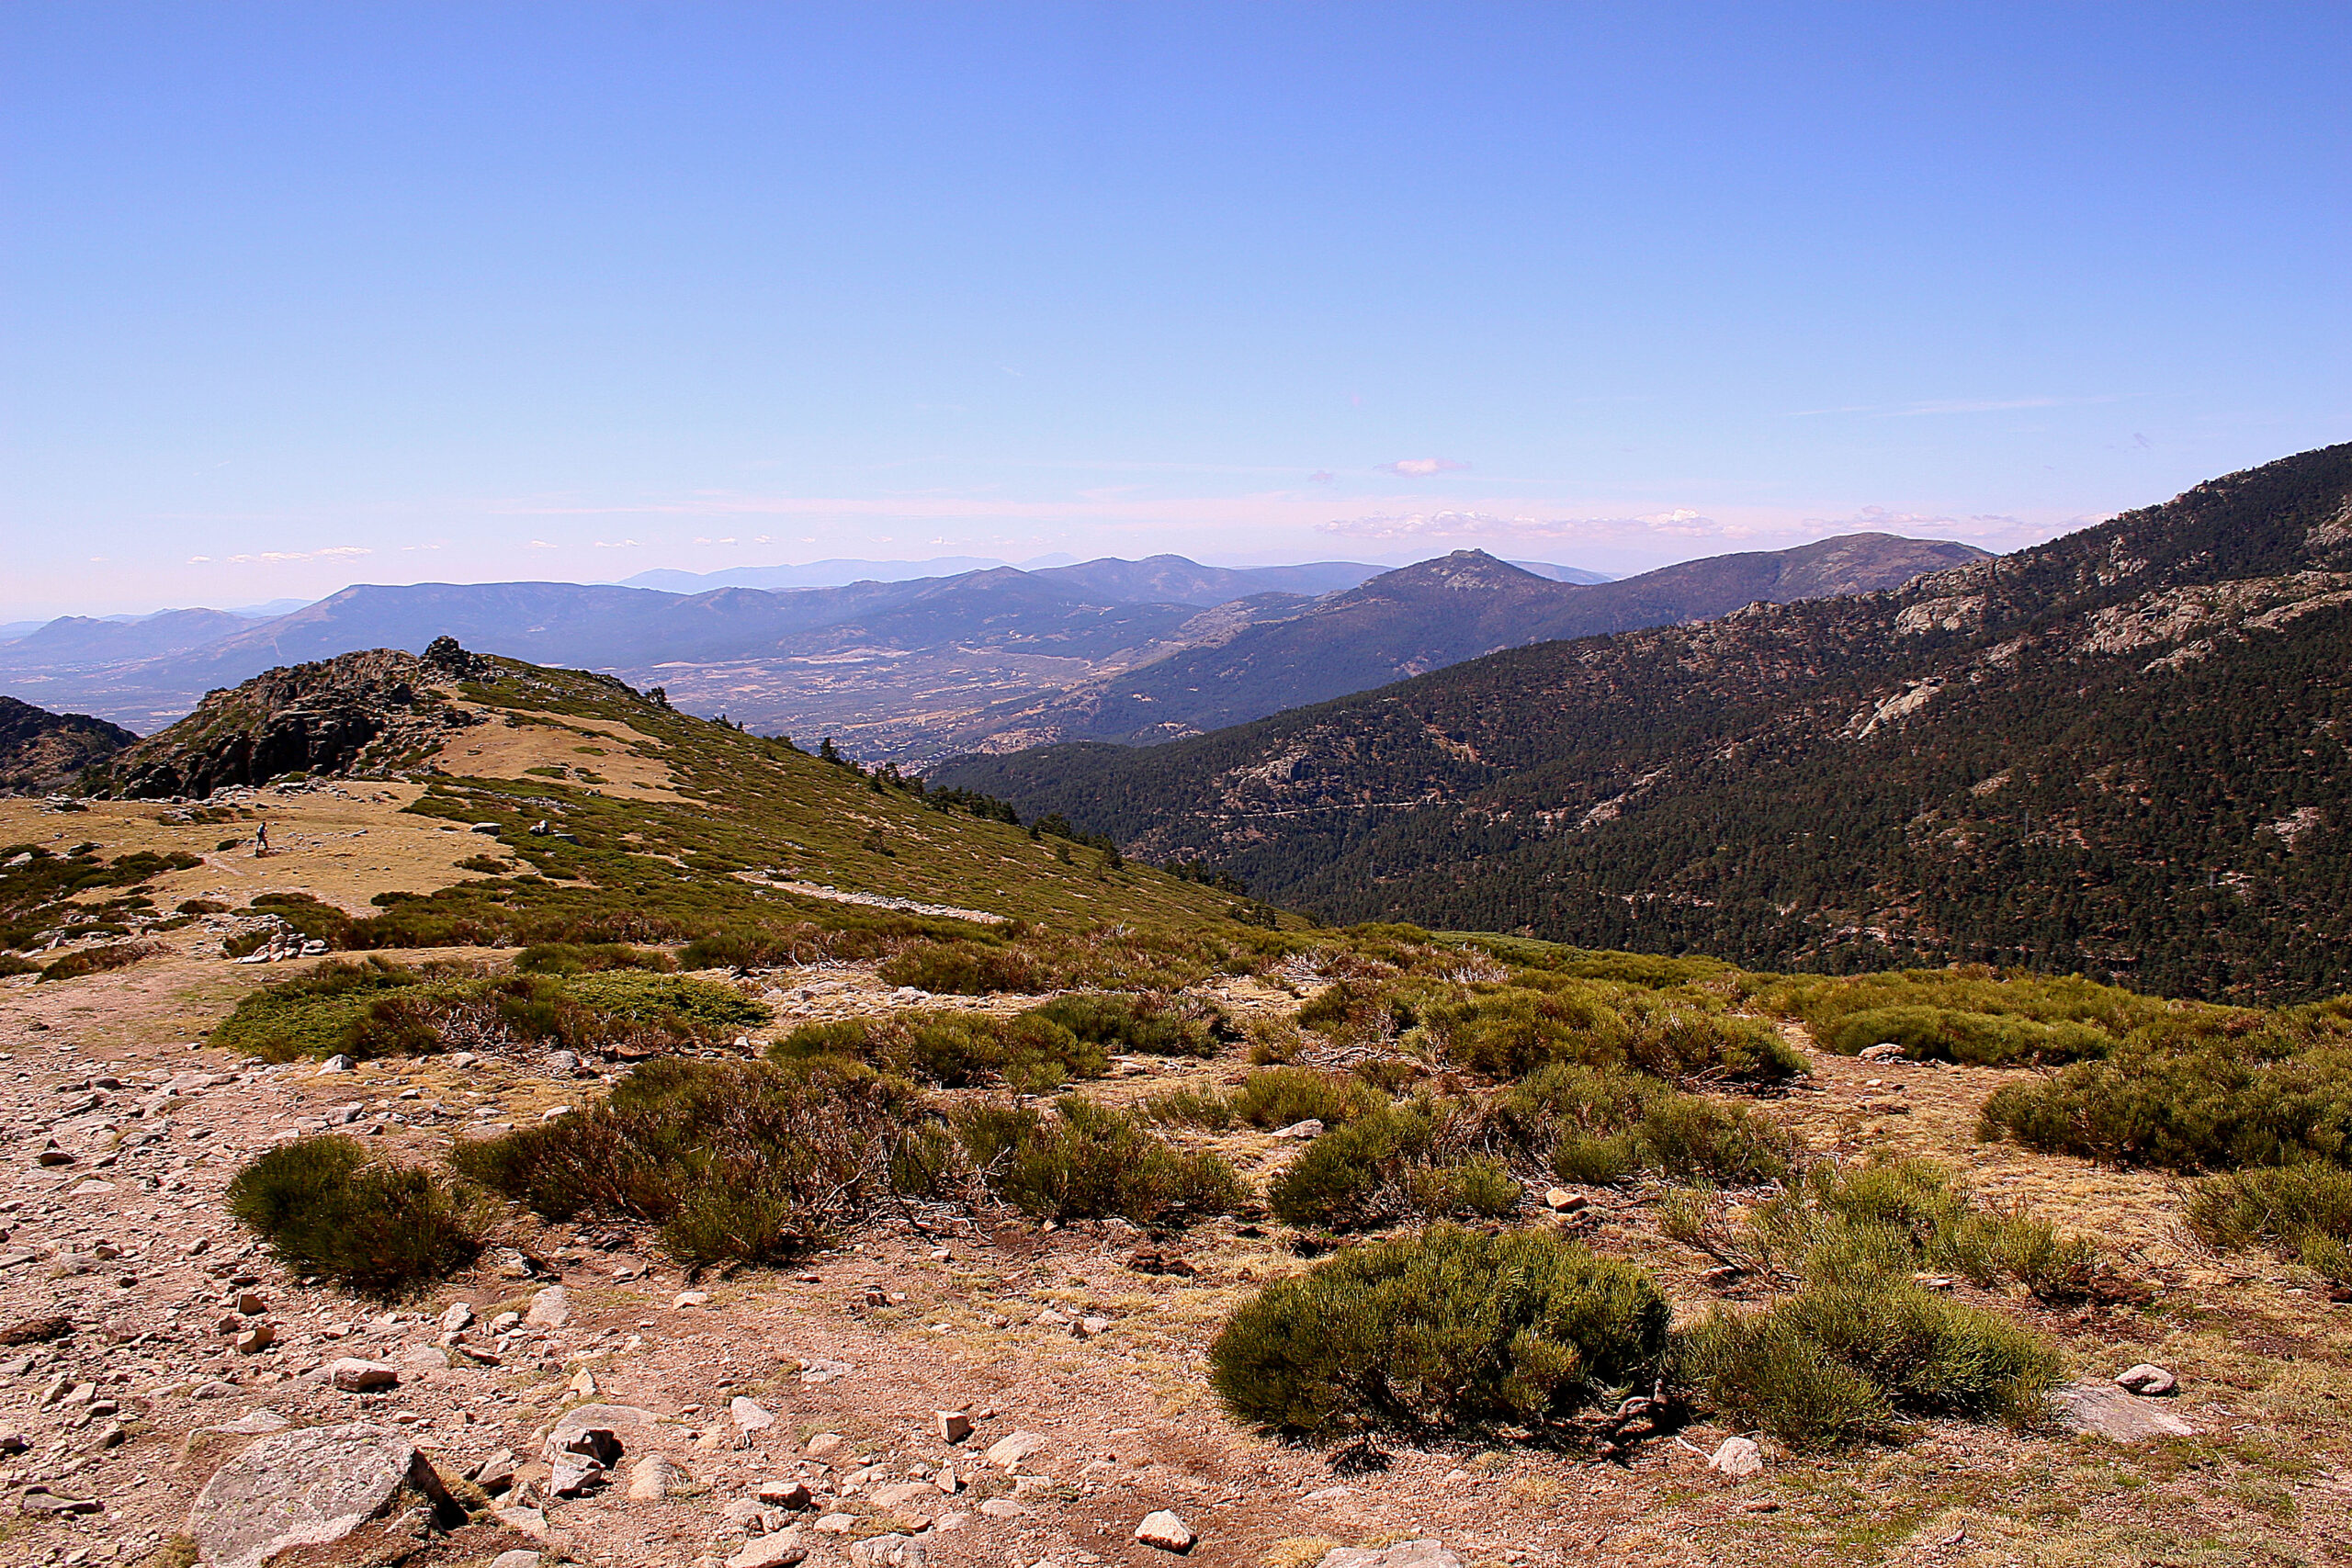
(41, 751)
(363, 714)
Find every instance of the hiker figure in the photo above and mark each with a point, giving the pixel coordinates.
(260, 840)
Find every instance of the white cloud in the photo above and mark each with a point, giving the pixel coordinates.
(618, 545)
(282, 557)
(539, 545)
(1420, 468)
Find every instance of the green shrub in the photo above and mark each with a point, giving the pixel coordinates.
(1598, 1126)
(1688, 1138)
(1509, 1031)
(1978, 1039)
(1894, 1217)
(1281, 1097)
(1188, 1108)
(1140, 1021)
(98, 960)
(1447, 1331)
(2301, 1212)
(1387, 1166)
(2189, 1102)
(324, 1207)
(379, 1009)
(1824, 1003)
(738, 1160)
(956, 968)
(1839, 1361)
(587, 958)
(12, 964)
(1088, 1161)
(1030, 1054)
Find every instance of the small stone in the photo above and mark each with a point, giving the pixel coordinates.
(1884, 1051)
(458, 1318)
(901, 1493)
(521, 1557)
(38, 1500)
(495, 1473)
(354, 1376)
(1302, 1131)
(257, 1338)
(1013, 1448)
(1165, 1531)
(338, 1063)
(532, 1522)
(252, 1303)
(823, 1443)
(550, 1308)
(653, 1478)
(838, 1524)
(584, 1383)
(1001, 1509)
(793, 1495)
(749, 1416)
(424, 1356)
(1403, 1554)
(953, 1425)
(2098, 1406)
(888, 1551)
(1738, 1458)
(2147, 1380)
(1088, 1327)
(691, 1299)
(781, 1549)
(1560, 1200)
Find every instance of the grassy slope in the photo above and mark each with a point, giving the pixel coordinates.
(743, 803)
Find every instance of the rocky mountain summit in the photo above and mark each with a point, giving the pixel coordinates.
(363, 714)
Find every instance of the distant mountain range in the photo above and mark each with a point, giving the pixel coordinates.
(2128, 752)
(913, 670)
(1424, 618)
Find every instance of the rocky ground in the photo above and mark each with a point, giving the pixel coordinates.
(975, 1392)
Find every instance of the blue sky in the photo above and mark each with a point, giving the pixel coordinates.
(295, 296)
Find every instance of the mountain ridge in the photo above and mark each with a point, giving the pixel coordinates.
(2120, 751)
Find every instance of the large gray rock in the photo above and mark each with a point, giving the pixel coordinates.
(888, 1551)
(1403, 1554)
(309, 1487)
(550, 1308)
(2098, 1406)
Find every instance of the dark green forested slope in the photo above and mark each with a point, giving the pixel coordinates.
(2123, 751)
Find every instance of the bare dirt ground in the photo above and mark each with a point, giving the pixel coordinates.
(919, 1314)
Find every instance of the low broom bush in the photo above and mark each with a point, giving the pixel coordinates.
(324, 1206)
(1447, 1331)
